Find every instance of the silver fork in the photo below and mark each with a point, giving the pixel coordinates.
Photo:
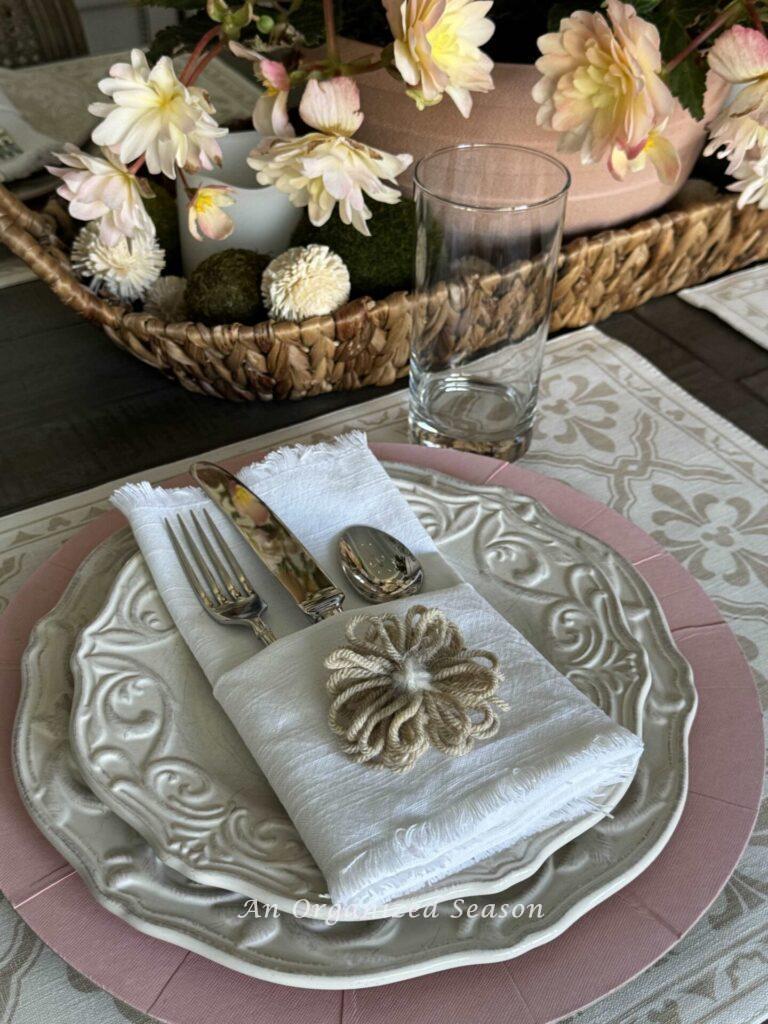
(227, 594)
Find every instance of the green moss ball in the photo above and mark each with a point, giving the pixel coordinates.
(377, 265)
(163, 214)
(226, 288)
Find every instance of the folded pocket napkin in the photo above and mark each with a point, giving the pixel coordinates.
(378, 835)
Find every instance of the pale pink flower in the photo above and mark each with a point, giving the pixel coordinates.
(206, 216)
(153, 115)
(270, 115)
(101, 188)
(437, 48)
(740, 56)
(327, 166)
(658, 149)
(601, 86)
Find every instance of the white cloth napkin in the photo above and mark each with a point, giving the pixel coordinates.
(23, 149)
(378, 835)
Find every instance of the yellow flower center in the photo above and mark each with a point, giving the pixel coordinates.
(204, 201)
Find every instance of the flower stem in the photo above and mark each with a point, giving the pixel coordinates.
(361, 69)
(202, 64)
(331, 43)
(201, 44)
(754, 15)
(187, 190)
(696, 42)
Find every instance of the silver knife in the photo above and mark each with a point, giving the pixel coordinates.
(285, 556)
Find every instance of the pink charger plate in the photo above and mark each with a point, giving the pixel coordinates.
(603, 950)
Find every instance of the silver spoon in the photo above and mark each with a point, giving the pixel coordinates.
(377, 565)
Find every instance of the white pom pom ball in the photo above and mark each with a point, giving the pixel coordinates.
(305, 281)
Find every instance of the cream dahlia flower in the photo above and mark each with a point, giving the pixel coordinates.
(305, 281)
(101, 188)
(601, 87)
(740, 56)
(437, 48)
(126, 269)
(206, 216)
(152, 114)
(326, 167)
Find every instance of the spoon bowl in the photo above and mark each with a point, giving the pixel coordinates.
(377, 565)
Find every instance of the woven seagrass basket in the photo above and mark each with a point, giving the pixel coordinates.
(367, 342)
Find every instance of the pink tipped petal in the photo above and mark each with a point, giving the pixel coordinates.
(332, 106)
(740, 54)
(275, 74)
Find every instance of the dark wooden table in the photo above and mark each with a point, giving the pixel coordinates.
(75, 411)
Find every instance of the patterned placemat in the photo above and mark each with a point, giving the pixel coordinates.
(615, 428)
(741, 299)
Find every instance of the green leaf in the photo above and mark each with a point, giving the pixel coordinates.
(177, 39)
(308, 20)
(688, 80)
(646, 7)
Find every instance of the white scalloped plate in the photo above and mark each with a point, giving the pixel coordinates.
(127, 878)
(158, 749)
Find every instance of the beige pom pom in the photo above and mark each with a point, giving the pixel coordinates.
(165, 299)
(305, 281)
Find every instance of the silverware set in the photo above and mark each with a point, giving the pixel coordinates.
(377, 566)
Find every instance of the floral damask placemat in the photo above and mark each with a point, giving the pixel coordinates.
(741, 299)
(615, 428)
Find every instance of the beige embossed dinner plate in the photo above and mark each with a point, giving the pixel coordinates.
(127, 878)
(157, 748)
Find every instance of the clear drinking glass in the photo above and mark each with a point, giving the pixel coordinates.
(489, 226)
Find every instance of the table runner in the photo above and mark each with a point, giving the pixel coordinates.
(615, 428)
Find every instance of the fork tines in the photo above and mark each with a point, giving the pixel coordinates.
(215, 574)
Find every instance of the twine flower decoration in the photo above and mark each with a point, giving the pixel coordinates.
(403, 684)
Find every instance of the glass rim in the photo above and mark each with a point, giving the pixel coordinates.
(494, 207)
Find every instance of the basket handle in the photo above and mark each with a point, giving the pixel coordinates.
(32, 237)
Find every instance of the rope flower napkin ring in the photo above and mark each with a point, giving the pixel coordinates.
(401, 685)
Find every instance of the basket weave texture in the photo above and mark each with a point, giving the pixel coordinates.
(367, 342)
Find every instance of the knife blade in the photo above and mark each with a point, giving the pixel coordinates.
(280, 551)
